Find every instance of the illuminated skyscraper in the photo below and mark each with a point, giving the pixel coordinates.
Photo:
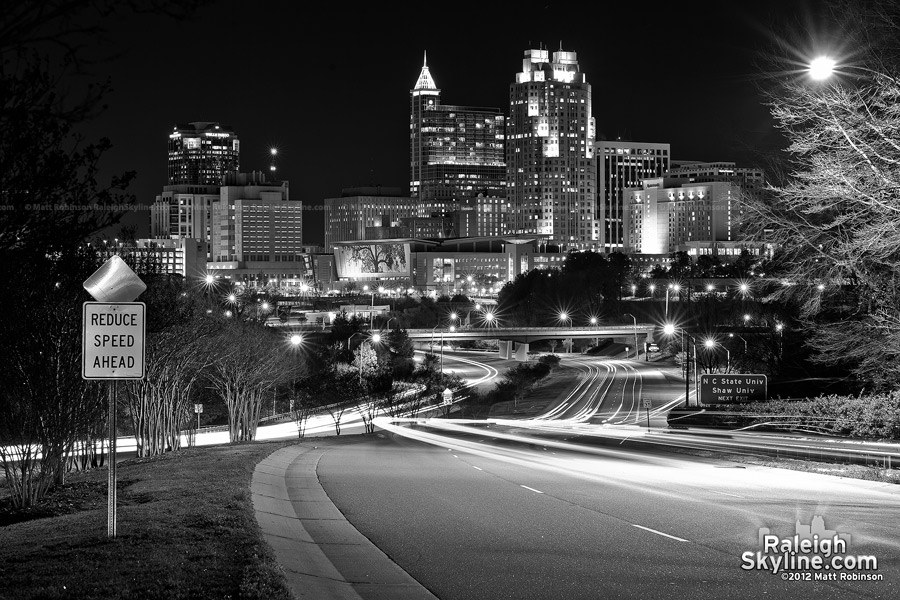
(202, 153)
(623, 165)
(551, 172)
(456, 152)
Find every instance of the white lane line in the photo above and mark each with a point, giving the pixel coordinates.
(455, 456)
(532, 489)
(479, 468)
(726, 494)
(658, 532)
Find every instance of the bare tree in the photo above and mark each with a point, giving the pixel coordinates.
(250, 363)
(835, 216)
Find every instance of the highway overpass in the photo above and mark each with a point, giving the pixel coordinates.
(624, 333)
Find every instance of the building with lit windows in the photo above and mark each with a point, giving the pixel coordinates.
(668, 215)
(183, 211)
(348, 217)
(257, 232)
(201, 153)
(623, 165)
(456, 152)
(480, 216)
(750, 179)
(473, 265)
(551, 170)
(183, 256)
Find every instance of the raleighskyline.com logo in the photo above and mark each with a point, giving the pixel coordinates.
(813, 553)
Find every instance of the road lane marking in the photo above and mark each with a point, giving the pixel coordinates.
(479, 468)
(658, 532)
(532, 489)
(455, 456)
(726, 494)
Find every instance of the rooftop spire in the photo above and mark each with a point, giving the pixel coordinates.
(425, 82)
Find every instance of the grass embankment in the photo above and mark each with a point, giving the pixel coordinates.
(185, 530)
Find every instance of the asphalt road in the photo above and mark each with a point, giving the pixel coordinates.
(472, 518)
(612, 391)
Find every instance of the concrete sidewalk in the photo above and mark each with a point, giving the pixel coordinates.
(322, 554)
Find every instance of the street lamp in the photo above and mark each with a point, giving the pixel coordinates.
(637, 353)
(710, 345)
(375, 339)
(821, 68)
(742, 339)
(669, 329)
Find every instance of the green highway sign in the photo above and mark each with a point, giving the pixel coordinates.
(719, 388)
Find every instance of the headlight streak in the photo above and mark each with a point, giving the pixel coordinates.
(763, 445)
(622, 468)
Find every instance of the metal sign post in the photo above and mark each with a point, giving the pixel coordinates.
(113, 333)
(648, 404)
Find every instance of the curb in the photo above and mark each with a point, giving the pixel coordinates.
(323, 555)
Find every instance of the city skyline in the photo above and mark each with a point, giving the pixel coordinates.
(334, 99)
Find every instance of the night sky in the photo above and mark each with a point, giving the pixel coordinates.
(329, 88)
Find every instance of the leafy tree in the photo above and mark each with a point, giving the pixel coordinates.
(835, 213)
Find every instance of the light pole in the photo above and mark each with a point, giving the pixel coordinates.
(669, 329)
(637, 353)
(432, 336)
(743, 339)
(375, 338)
(710, 345)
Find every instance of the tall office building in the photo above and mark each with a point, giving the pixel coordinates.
(551, 170)
(456, 152)
(202, 153)
(254, 220)
(623, 165)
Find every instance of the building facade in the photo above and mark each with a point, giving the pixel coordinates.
(348, 217)
(183, 211)
(551, 170)
(482, 216)
(257, 232)
(202, 153)
(456, 152)
(473, 266)
(183, 256)
(667, 215)
(623, 165)
(751, 180)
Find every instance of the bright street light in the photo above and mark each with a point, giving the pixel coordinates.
(296, 340)
(821, 68)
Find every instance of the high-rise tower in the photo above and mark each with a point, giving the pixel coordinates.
(622, 165)
(456, 152)
(202, 153)
(551, 172)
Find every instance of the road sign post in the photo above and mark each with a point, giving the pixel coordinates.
(648, 404)
(113, 332)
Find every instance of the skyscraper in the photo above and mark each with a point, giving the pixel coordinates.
(202, 153)
(456, 152)
(623, 165)
(551, 171)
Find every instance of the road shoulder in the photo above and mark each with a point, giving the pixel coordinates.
(322, 554)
